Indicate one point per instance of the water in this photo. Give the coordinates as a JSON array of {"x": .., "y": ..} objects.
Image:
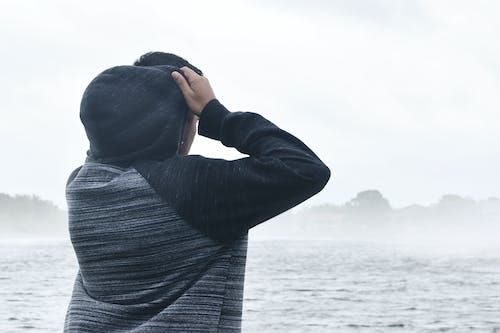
[{"x": 295, "y": 286}]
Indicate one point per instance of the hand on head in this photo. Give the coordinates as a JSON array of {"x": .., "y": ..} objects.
[{"x": 196, "y": 89}]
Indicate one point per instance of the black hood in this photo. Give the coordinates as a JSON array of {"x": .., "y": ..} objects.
[{"x": 133, "y": 112}]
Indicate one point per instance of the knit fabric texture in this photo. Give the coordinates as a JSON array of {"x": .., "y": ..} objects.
[
  {"x": 161, "y": 241},
  {"x": 133, "y": 112}
]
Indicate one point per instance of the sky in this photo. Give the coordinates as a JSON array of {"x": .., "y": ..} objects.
[{"x": 399, "y": 96}]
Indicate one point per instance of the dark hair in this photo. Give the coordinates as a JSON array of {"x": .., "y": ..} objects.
[{"x": 162, "y": 58}]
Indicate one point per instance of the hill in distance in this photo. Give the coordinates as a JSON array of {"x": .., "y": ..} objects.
[{"x": 368, "y": 216}]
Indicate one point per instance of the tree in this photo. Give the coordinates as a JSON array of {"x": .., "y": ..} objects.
[{"x": 369, "y": 202}]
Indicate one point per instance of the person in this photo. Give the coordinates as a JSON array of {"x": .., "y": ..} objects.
[{"x": 161, "y": 235}]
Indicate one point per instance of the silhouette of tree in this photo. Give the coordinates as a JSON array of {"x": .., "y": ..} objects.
[
  {"x": 30, "y": 214},
  {"x": 369, "y": 202}
]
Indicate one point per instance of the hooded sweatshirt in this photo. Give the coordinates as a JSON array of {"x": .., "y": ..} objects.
[{"x": 161, "y": 238}]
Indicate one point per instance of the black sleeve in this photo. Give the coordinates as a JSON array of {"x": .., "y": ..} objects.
[{"x": 225, "y": 198}]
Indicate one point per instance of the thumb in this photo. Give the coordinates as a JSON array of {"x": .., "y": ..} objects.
[{"x": 181, "y": 82}]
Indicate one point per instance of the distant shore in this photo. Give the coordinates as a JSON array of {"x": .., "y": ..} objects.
[{"x": 368, "y": 216}]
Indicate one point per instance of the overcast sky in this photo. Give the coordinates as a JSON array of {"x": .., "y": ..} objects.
[{"x": 399, "y": 96}]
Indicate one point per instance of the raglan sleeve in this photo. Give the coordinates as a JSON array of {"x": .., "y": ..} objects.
[{"x": 226, "y": 198}]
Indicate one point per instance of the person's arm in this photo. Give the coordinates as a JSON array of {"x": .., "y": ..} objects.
[{"x": 225, "y": 198}]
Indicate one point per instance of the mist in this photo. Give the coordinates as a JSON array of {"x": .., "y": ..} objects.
[
  {"x": 454, "y": 223},
  {"x": 400, "y": 99}
]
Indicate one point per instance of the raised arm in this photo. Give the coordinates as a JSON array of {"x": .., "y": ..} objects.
[{"x": 225, "y": 198}]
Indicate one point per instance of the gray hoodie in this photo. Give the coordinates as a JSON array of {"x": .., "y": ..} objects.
[{"x": 161, "y": 238}]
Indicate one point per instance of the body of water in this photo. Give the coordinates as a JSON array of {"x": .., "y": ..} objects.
[{"x": 294, "y": 286}]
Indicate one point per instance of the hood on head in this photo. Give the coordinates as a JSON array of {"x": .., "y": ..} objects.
[{"x": 133, "y": 112}]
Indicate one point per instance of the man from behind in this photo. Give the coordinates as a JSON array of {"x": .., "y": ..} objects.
[{"x": 161, "y": 236}]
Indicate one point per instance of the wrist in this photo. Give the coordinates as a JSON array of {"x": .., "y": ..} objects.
[{"x": 211, "y": 118}]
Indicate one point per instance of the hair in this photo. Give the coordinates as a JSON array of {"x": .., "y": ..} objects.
[{"x": 162, "y": 58}]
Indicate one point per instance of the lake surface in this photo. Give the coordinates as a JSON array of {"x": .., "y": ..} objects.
[{"x": 295, "y": 286}]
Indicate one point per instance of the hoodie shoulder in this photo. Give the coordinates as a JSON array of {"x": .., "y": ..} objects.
[
  {"x": 97, "y": 175},
  {"x": 73, "y": 174}
]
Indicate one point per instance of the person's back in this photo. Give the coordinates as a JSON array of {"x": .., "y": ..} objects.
[{"x": 161, "y": 236}]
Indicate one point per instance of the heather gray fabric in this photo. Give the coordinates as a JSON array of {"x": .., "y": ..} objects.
[{"x": 142, "y": 267}]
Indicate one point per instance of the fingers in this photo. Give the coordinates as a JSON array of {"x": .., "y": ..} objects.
[
  {"x": 181, "y": 82},
  {"x": 195, "y": 88},
  {"x": 190, "y": 74}
]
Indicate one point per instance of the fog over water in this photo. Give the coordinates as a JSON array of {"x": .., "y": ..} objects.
[
  {"x": 453, "y": 222},
  {"x": 362, "y": 266},
  {"x": 399, "y": 98}
]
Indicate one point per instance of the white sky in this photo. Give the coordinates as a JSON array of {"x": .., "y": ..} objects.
[{"x": 400, "y": 96}]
